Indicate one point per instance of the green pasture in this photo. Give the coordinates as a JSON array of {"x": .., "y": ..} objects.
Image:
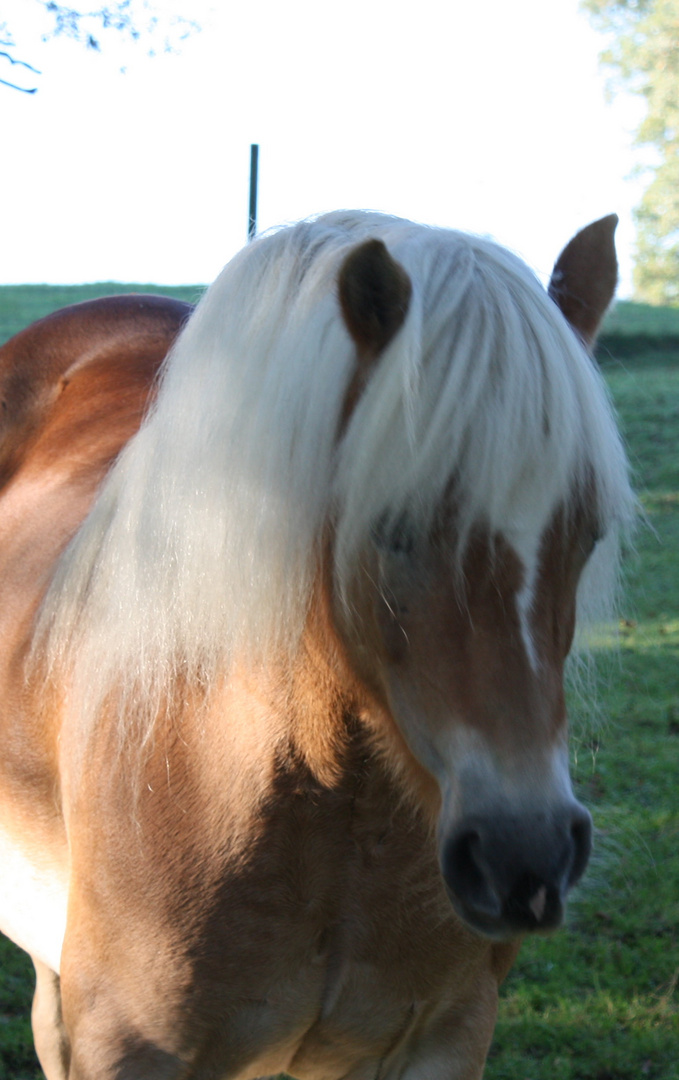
[
  {"x": 630, "y": 330},
  {"x": 21, "y": 305},
  {"x": 598, "y": 1000}
]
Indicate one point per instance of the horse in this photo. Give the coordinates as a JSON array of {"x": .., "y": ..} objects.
[{"x": 288, "y": 584}]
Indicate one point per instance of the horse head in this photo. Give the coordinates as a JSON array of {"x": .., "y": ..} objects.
[{"x": 459, "y": 611}]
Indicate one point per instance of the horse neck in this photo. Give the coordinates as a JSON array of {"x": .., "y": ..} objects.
[
  {"x": 336, "y": 716},
  {"x": 324, "y": 706}
]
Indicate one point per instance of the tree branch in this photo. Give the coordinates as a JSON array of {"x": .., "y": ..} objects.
[
  {"x": 21, "y": 89},
  {"x": 134, "y": 18},
  {"x": 20, "y": 63},
  {"x": 131, "y": 19}
]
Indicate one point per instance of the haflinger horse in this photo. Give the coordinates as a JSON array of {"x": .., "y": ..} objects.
[{"x": 287, "y": 588}]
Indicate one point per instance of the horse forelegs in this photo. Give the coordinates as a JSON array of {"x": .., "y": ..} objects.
[{"x": 49, "y": 1034}]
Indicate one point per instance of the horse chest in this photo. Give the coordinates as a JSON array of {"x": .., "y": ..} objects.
[
  {"x": 309, "y": 933},
  {"x": 356, "y": 950}
]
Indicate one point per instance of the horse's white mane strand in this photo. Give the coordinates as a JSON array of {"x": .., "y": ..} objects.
[{"x": 206, "y": 537}]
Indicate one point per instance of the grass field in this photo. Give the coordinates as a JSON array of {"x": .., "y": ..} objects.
[
  {"x": 630, "y": 330},
  {"x": 598, "y": 1000},
  {"x": 21, "y": 305}
]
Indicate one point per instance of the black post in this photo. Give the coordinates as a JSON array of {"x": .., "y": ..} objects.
[{"x": 252, "y": 217}]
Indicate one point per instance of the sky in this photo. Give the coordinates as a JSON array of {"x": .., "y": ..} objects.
[{"x": 490, "y": 117}]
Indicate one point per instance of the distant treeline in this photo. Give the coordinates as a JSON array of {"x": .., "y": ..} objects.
[
  {"x": 637, "y": 330},
  {"x": 630, "y": 331}
]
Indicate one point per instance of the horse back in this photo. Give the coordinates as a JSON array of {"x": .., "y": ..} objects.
[{"x": 82, "y": 377}]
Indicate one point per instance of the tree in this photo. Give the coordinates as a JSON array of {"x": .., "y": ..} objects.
[
  {"x": 5, "y": 44},
  {"x": 644, "y": 55},
  {"x": 135, "y": 20}
]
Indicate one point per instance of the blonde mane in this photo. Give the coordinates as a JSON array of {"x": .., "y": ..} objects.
[{"x": 205, "y": 538}]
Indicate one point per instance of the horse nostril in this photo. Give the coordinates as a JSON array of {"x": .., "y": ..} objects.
[
  {"x": 461, "y": 857},
  {"x": 466, "y": 874}
]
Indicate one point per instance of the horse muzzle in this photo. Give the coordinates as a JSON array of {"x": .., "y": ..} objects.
[{"x": 510, "y": 875}]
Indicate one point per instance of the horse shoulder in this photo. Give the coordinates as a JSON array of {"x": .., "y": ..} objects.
[{"x": 74, "y": 388}]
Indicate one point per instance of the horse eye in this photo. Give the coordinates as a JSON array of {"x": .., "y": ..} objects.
[
  {"x": 395, "y": 536},
  {"x": 589, "y": 541}
]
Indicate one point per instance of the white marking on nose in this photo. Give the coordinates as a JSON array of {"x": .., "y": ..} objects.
[
  {"x": 524, "y": 604},
  {"x": 525, "y": 596}
]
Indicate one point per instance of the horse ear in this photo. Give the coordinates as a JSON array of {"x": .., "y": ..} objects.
[
  {"x": 374, "y": 294},
  {"x": 585, "y": 275}
]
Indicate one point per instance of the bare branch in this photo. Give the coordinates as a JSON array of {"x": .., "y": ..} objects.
[
  {"x": 22, "y": 63},
  {"x": 9, "y": 44},
  {"x": 21, "y": 89},
  {"x": 134, "y": 20}
]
